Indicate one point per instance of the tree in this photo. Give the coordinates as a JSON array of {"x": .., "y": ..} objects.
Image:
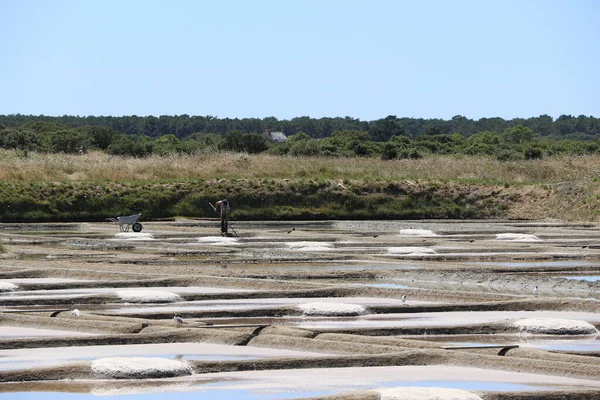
[
  {"x": 518, "y": 134},
  {"x": 68, "y": 141},
  {"x": 209, "y": 142},
  {"x": 165, "y": 145},
  {"x": 533, "y": 152},
  {"x": 101, "y": 136},
  {"x": 298, "y": 137},
  {"x": 389, "y": 151},
  {"x": 304, "y": 148},
  {"x": 482, "y": 143},
  {"x": 44, "y": 127},
  {"x": 541, "y": 125},
  {"x": 125, "y": 145},
  {"x": 383, "y": 129},
  {"x": 251, "y": 143},
  {"x": 19, "y": 139}
]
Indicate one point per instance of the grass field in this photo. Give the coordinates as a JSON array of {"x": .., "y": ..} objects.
[
  {"x": 97, "y": 167},
  {"x": 64, "y": 187}
]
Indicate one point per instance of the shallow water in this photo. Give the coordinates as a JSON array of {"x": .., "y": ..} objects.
[
  {"x": 557, "y": 345},
  {"x": 309, "y": 383},
  {"x": 349, "y": 267},
  {"x": 564, "y": 263},
  {"x": 242, "y": 304},
  {"x": 7, "y": 365},
  {"x": 471, "y": 385},
  {"x": 30, "y": 358},
  {"x": 103, "y": 290},
  {"x": 588, "y": 278},
  {"x": 44, "y": 280},
  {"x": 565, "y": 345},
  {"x": 560, "y": 343},
  {"x": 19, "y": 332},
  {"x": 214, "y": 394},
  {"x": 382, "y": 285},
  {"x": 449, "y": 318}
]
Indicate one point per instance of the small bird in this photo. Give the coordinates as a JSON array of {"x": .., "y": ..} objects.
[
  {"x": 403, "y": 298},
  {"x": 291, "y": 230},
  {"x": 178, "y": 319},
  {"x": 375, "y": 236},
  {"x": 76, "y": 313},
  {"x": 536, "y": 291}
]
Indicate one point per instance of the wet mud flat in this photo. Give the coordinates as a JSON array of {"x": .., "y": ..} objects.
[{"x": 330, "y": 309}]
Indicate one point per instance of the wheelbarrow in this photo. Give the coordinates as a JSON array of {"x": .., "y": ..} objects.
[{"x": 126, "y": 222}]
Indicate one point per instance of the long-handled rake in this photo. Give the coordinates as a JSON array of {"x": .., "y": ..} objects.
[{"x": 228, "y": 224}]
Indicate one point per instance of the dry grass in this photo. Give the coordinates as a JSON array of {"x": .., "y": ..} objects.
[{"x": 97, "y": 166}]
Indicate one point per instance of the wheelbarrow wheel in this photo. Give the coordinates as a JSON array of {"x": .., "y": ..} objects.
[{"x": 137, "y": 227}]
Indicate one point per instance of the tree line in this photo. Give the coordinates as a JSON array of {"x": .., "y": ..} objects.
[
  {"x": 382, "y": 129},
  {"x": 387, "y": 138}
]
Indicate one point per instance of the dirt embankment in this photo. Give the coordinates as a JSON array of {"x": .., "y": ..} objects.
[
  {"x": 568, "y": 201},
  {"x": 287, "y": 199}
]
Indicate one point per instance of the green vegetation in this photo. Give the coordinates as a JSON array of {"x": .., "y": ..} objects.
[
  {"x": 94, "y": 186},
  {"x": 280, "y": 199},
  {"x": 90, "y": 168},
  {"x": 388, "y": 138}
]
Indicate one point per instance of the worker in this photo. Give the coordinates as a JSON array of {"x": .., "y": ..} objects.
[{"x": 222, "y": 207}]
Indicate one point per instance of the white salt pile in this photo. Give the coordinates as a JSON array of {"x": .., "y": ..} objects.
[
  {"x": 148, "y": 296},
  {"x": 410, "y": 250},
  {"x": 8, "y": 287},
  {"x": 417, "y": 232},
  {"x": 517, "y": 237},
  {"x": 555, "y": 326},
  {"x": 425, "y": 393},
  {"x": 134, "y": 236},
  {"x": 218, "y": 240},
  {"x": 139, "y": 368},
  {"x": 331, "y": 309},
  {"x": 310, "y": 246}
]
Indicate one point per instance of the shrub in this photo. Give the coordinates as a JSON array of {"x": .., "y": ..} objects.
[
  {"x": 412, "y": 154},
  {"x": 251, "y": 143},
  {"x": 389, "y": 151},
  {"x": 533, "y": 153},
  {"x": 508, "y": 155}
]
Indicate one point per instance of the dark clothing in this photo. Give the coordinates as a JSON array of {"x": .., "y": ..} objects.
[{"x": 222, "y": 207}]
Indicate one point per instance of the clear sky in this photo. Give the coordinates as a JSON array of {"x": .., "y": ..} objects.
[{"x": 290, "y": 58}]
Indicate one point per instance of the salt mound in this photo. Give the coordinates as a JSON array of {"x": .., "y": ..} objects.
[
  {"x": 410, "y": 250},
  {"x": 139, "y": 368},
  {"x": 310, "y": 246},
  {"x": 134, "y": 236},
  {"x": 517, "y": 237},
  {"x": 426, "y": 393},
  {"x": 217, "y": 240},
  {"x": 7, "y": 287},
  {"x": 417, "y": 232},
  {"x": 554, "y": 326},
  {"x": 148, "y": 296},
  {"x": 331, "y": 309}
]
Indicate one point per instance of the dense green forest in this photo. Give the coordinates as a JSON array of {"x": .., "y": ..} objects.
[{"x": 386, "y": 138}]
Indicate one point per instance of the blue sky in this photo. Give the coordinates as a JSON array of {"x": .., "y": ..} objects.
[{"x": 291, "y": 58}]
